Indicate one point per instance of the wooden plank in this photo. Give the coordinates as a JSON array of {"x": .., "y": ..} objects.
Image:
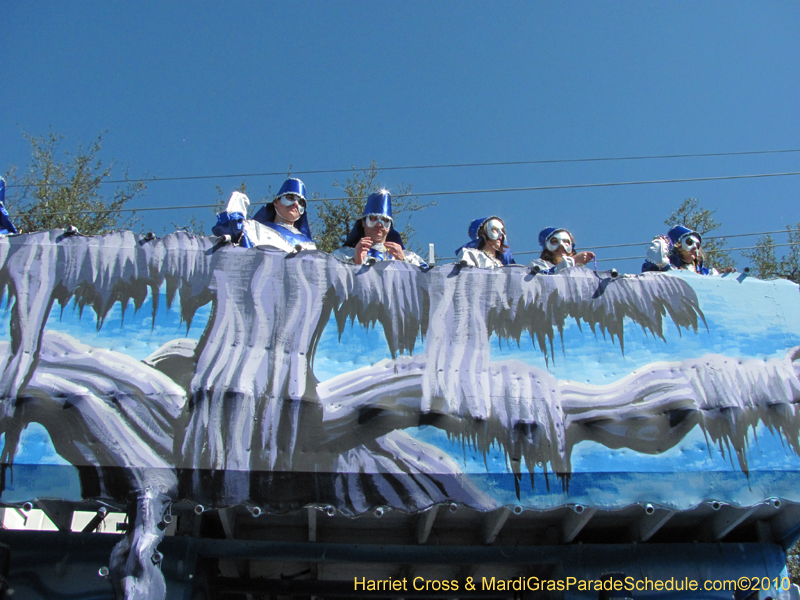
[
  {"x": 58, "y": 512},
  {"x": 729, "y": 518},
  {"x": 425, "y": 524},
  {"x": 493, "y": 523},
  {"x": 649, "y": 525},
  {"x": 574, "y": 522},
  {"x": 228, "y": 518},
  {"x": 312, "y": 524}
]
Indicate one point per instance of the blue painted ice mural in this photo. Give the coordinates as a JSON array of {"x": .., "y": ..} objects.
[{"x": 388, "y": 385}]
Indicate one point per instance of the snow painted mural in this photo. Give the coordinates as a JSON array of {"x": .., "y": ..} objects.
[{"x": 179, "y": 369}]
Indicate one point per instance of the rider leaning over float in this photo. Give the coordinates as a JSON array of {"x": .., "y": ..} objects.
[
  {"x": 679, "y": 249},
  {"x": 488, "y": 245},
  {"x": 558, "y": 252},
  {"x": 374, "y": 238},
  {"x": 281, "y": 224}
]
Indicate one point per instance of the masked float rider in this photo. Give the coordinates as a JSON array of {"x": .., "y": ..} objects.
[
  {"x": 558, "y": 252},
  {"x": 488, "y": 245},
  {"x": 374, "y": 238},
  {"x": 281, "y": 224},
  {"x": 679, "y": 249}
]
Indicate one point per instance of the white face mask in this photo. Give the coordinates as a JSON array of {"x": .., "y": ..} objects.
[
  {"x": 289, "y": 199},
  {"x": 495, "y": 229},
  {"x": 373, "y": 220},
  {"x": 690, "y": 242},
  {"x": 561, "y": 238}
]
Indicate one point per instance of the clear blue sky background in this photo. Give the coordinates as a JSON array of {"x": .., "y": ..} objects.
[{"x": 207, "y": 88}]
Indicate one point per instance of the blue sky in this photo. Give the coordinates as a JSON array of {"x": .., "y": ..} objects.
[{"x": 207, "y": 88}]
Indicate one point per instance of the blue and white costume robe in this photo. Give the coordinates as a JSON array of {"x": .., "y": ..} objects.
[
  {"x": 548, "y": 268},
  {"x": 347, "y": 254},
  {"x": 250, "y": 232},
  {"x": 288, "y": 239},
  {"x": 477, "y": 258}
]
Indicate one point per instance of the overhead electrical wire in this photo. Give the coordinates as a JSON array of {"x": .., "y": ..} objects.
[
  {"x": 421, "y": 167},
  {"x": 465, "y": 192},
  {"x": 642, "y": 244},
  {"x": 474, "y": 191},
  {"x": 713, "y": 237},
  {"x": 525, "y": 252},
  {"x": 707, "y": 252}
]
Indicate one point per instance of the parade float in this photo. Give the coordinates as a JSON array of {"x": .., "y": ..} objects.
[{"x": 287, "y": 425}]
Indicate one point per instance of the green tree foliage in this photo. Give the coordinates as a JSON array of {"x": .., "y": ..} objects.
[
  {"x": 694, "y": 216},
  {"x": 790, "y": 263},
  {"x": 55, "y": 193},
  {"x": 764, "y": 261},
  {"x": 196, "y": 226},
  {"x": 335, "y": 218},
  {"x": 764, "y": 264},
  {"x": 793, "y": 563}
]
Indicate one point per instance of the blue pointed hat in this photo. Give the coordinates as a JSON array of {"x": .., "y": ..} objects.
[
  {"x": 6, "y": 226},
  {"x": 292, "y": 186},
  {"x": 379, "y": 203},
  {"x": 677, "y": 233}
]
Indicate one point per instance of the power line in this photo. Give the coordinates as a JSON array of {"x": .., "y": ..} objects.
[
  {"x": 525, "y": 252},
  {"x": 710, "y": 252},
  {"x": 420, "y": 167},
  {"x": 591, "y": 185},
  {"x": 641, "y": 244},
  {"x": 715, "y": 237},
  {"x": 464, "y": 192},
  {"x": 117, "y": 210}
]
